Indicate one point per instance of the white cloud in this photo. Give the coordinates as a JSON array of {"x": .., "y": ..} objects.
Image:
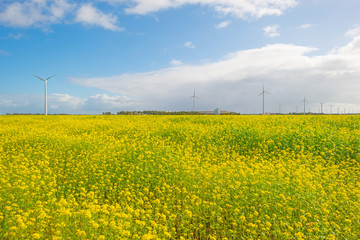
[
  {"x": 104, "y": 102},
  {"x": 59, "y": 8},
  {"x": 175, "y": 62},
  {"x": 355, "y": 31},
  {"x": 351, "y": 49},
  {"x": 271, "y": 31},
  {"x": 34, "y": 13},
  {"x": 306, "y": 26},
  {"x": 43, "y": 13},
  {"x": 8, "y": 103},
  {"x": 234, "y": 82},
  {"x": 114, "y": 2},
  {"x": 238, "y": 8},
  {"x": 89, "y": 15},
  {"x": 65, "y": 102},
  {"x": 223, "y": 24},
  {"x": 189, "y": 44}
]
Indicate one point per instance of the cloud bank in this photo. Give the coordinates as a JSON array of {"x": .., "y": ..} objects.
[
  {"x": 238, "y": 8},
  {"x": 34, "y": 12},
  {"x": 353, "y": 32},
  {"x": 234, "y": 82},
  {"x": 43, "y": 13}
]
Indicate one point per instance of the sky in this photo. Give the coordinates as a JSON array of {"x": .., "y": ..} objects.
[{"x": 136, "y": 55}]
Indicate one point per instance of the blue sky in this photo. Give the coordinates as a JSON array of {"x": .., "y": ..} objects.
[{"x": 113, "y": 55}]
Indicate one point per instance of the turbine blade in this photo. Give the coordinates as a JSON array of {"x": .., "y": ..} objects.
[
  {"x": 50, "y": 77},
  {"x": 38, "y": 77}
]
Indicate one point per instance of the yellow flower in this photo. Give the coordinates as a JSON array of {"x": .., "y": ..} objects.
[
  {"x": 148, "y": 236},
  {"x": 36, "y": 236}
]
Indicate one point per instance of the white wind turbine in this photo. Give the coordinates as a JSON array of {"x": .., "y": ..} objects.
[
  {"x": 321, "y": 108},
  {"x": 45, "y": 82},
  {"x": 304, "y": 101},
  {"x": 263, "y": 98},
  {"x": 194, "y": 97}
]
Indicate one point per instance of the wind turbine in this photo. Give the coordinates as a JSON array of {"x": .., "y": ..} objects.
[
  {"x": 321, "y": 111},
  {"x": 263, "y": 98},
  {"x": 194, "y": 97},
  {"x": 304, "y": 100},
  {"x": 45, "y": 81},
  {"x": 280, "y": 108}
]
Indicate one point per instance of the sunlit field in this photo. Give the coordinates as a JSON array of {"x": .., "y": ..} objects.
[{"x": 179, "y": 177}]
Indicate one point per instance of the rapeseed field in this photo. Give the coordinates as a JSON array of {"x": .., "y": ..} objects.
[{"x": 179, "y": 177}]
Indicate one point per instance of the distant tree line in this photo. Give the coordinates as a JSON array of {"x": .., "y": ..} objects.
[
  {"x": 141, "y": 113},
  {"x": 230, "y": 113},
  {"x": 157, "y": 113},
  {"x": 172, "y": 113}
]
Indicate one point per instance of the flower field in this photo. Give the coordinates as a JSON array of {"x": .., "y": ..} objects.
[{"x": 179, "y": 177}]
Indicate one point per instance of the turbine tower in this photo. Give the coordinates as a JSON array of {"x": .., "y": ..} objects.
[
  {"x": 194, "y": 97},
  {"x": 263, "y": 98},
  {"x": 304, "y": 100},
  {"x": 280, "y": 108},
  {"x": 321, "y": 109},
  {"x": 45, "y": 82}
]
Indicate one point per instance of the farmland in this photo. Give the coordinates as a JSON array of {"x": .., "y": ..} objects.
[{"x": 179, "y": 177}]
